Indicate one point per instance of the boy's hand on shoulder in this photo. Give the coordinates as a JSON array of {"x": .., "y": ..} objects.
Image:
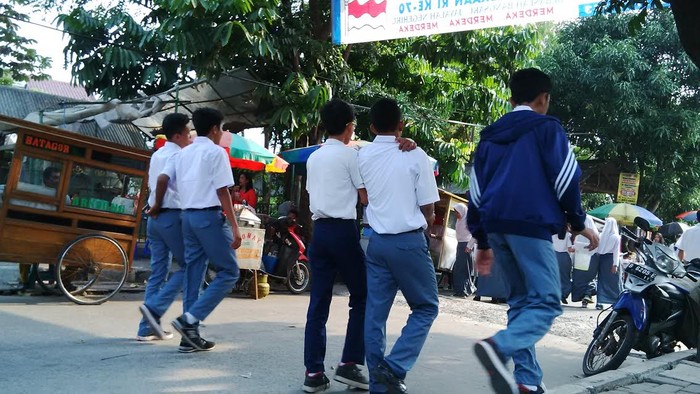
[
  {"x": 406, "y": 144},
  {"x": 236, "y": 238}
]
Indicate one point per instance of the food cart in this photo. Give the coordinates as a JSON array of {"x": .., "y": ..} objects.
[
  {"x": 69, "y": 203},
  {"x": 443, "y": 234}
]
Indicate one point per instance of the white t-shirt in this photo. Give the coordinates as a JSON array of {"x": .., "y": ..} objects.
[
  {"x": 561, "y": 245},
  {"x": 398, "y": 184},
  {"x": 332, "y": 180},
  {"x": 158, "y": 161},
  {"x": 198, "y": 170},
  {"x": 689, "y": 243}
]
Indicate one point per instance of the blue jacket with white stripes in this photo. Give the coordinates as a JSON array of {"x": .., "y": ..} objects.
[{"x": 524, "y": 180}]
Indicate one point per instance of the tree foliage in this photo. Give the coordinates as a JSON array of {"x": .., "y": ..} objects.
[
  {"x": 631, "y": 99},
  {"x": 685, "y": 12},
  {"x": 151, "y": 45},
  {"x": 18, "y": 62}
]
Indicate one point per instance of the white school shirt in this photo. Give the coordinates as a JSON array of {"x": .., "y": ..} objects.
[
  {"x": 561, "y": 245},
  {"x": 689, "y": 243},
  {"x": 198, "y": 170},
  {"x": 158, "y": 161},
  {"x": 332, "y": 180},
  {"x": 398, "y": 184}
]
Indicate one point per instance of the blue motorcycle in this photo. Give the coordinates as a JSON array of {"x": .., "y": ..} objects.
[{"x": 649, "y": 314}]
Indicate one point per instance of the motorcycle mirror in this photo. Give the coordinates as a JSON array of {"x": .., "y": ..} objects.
[{"x": 642, "y": 223}]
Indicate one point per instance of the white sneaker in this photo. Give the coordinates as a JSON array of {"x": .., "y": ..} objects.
[{"x": 147, "y": 338}]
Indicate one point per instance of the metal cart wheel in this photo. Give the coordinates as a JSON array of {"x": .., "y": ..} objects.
[
  {"x": 45, "y": 276},
  {"x": 91, "y": 269}
]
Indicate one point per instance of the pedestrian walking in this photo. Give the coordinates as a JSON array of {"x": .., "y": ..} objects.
[
  {"x": 586, "y": 268},
  {"x": 333, "y": 183},
  {"x": 402, "y": 191},
  {"x": 463, "y": 269},
  {"x": 202, "y": 175},
  {"x": 608, "y": 264},
  {"x": 164, "y": 233},
  {"x": 523, "y": 150},
  {"x": 563, "y": 249},
  {"x": 689, "y": 243}
]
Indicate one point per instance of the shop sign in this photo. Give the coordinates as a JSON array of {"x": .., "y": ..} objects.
[
  {"x": 52, "y": 146},
  {"x": 628, "y": 188}
]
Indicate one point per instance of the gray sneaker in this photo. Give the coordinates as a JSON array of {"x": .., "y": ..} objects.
[
  {"x": 351, "y": 375},
  {"x": 152, "y": 321}
]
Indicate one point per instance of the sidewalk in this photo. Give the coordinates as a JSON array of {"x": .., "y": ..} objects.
[{"x": 671, "y": 373}]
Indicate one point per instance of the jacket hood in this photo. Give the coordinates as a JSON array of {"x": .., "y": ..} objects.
[{"x": 513, "y": 125}]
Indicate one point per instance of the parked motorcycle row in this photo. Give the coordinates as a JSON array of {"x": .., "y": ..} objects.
[{"x": 658, "y": 310}]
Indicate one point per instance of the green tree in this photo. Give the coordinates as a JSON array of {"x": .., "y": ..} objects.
[
  {"x": 18, "y": 62},
  {"x": 633, "y": 100},
  {"x": 685, "y": 12},
  {"x": 459, "y": 77}
]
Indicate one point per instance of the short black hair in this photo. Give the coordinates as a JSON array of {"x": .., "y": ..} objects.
[
  {"x": 528, "y": 83},
  {"x": 174, "y": 124},
  {"x": 206, "y": 118},
  {"x": 335, "y": 116},
  {"x": 385, "y": 115},
  {"x": 294, "y": 211},
  {"x": 50, "y": 171}
]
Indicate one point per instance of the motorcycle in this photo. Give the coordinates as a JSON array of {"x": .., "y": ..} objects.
[
  {"x": 284, "y": 255},
  {"x": 649, "y": 314}
]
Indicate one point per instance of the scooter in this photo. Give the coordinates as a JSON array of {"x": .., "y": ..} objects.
[
  {"x": 649, "y": 314},
  {"x": 284, "y": 255}
]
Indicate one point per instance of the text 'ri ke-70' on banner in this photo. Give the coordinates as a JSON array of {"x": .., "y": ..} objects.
[{"x": 373, "y": 20}]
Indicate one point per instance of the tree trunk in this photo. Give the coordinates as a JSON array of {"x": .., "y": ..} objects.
[{"x": 687, "y": 14}]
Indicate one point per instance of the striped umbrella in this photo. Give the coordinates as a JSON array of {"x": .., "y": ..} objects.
[
  {"x": 249, "y": 155},
  {"x": 625, "y": 214},
  {"x": 689, "y": 216}
]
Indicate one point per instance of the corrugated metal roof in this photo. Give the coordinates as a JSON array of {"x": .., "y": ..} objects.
[
  {"x": 62, "y": 89},
  {"x": 18, "y": 103}
]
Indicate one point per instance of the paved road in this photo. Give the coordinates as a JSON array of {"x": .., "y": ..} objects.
[{"x": 48, "y": 344}]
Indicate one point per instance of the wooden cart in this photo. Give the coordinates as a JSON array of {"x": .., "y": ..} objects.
[{"x": 69, "y": 208}]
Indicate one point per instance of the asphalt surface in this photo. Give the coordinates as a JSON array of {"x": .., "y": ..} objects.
[{"x": 49, "y": 344}]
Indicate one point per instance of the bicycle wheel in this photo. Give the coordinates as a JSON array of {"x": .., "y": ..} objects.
[
  {"x": 91, "y": 269},
  {"x": 45, "y": 276}
]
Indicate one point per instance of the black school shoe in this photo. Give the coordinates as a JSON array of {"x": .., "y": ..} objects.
[
  {"x": 316, "y": 383},
  {"x": 495, "y": 364},
  {"x": 205, "y": 346},
  {"x": 351, "y": 375},
  {"x": 190, "y": 335},
  {"x": 383, "y": 374},
  {"x": 541, "y": 389}
]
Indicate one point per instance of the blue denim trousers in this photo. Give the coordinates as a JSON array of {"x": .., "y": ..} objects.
[
  {"x": 207, "y": 237},
  {"x": 532, "y": 274},
  {"x": 335, "y": 248},
  {"x": 398, "y": 262},
  {"x": 165, "y": 236}
]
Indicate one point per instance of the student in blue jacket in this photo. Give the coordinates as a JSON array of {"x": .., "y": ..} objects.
[{"x": 524, "y": 189}]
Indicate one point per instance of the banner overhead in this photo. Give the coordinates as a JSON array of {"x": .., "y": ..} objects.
[{"x": 373, "y": 20}]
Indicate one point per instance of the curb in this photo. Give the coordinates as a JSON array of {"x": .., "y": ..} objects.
[{"x": 625, "y": 376}]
